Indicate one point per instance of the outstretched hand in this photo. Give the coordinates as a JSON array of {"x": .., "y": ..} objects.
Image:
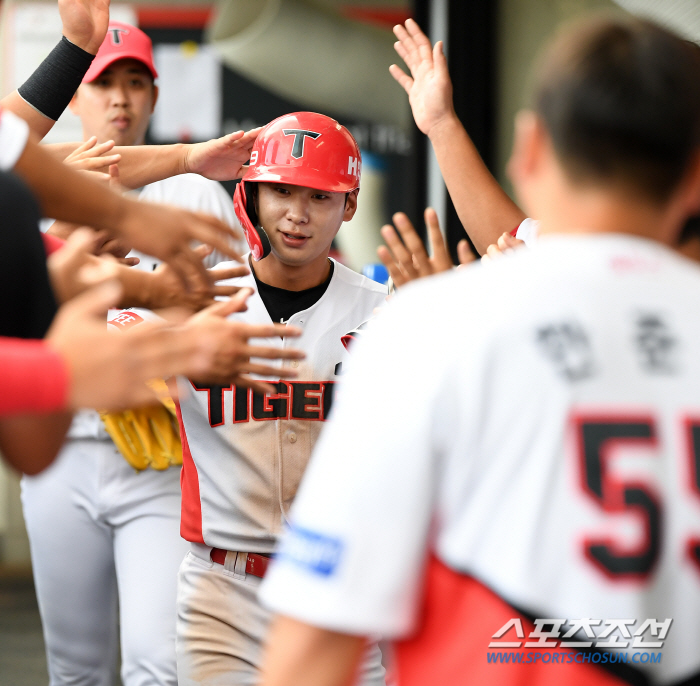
[
  {"x": 165, "y": 289},
  {"x": 230, "y": 350},
  {"x": 169, "y": 235},
  {"x": 93, "y": 159},
  {"x": 85, "y": 22},
  {"x": 408, "y": 260},
  {"x": 429, "y": 87},
  {"x": 221, "y": 159}
]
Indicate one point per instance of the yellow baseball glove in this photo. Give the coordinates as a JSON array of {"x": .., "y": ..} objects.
[{"x": 147, "y": 436}]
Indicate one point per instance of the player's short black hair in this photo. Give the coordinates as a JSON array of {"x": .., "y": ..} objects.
[{"x": 620, "y": 99}]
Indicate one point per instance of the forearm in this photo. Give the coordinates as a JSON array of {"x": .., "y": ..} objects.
[
  {"x": 65, "y": 194},
  {"x": 144, "y": 164},
  {"x": 39, "y": 123},
  {"x": 302, "y": 655},
  {"x": 30, "y": 443},
  {"x": 483, "y": 207},
  {"x": 140, "y": 164}
]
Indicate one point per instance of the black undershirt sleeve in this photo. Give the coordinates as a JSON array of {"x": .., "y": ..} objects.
[{"x": 27, "y": 303}]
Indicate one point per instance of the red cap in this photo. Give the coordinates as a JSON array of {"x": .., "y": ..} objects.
[{"x": 122, "y": 41}]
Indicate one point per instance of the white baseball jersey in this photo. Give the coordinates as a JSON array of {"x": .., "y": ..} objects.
[
  {"x": 532, "y": 427},
  {"x": 14, "y": 133},
  {"x": 244, "y": 453}
]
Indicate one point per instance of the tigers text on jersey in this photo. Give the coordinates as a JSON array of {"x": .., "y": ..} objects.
[
  {"x": 533, "y": 426},
  {"x": 244, "y": 453}
]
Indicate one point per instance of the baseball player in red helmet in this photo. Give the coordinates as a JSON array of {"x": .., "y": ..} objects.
[
  {"x": 523, "y": 470},
  {"x": 244, "y": 452}
]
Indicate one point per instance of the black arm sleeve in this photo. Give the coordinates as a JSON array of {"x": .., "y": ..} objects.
[
  {"x": 27, "y": 303},
  {"x": 50, "y": 88}
]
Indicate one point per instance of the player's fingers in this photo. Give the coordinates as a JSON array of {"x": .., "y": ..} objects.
[
  {"x": 96, "y": 150},
  {"x": 248, "y": 138},
  {"x": 237, "y": 303},
  {"x": 191, "y": 271},
  {"x": 87, "y": 145},
  {"x": 269, "y": 371},
  {"x": 221, "y": 274},
  {"x": 507, "y": 241},
  {"x": 402, "y": 51},
  {"x": 203, "y": 251},
  {"x": 255, "y": 384},
  {"x": 441, "y": 256},
  {"x": 215, "y": 233},
  {"x": 413, "y": 243},
  {"x": 439, "y": 59},
  {"x": 401, "y": 254},
  {"x": 387, "y": 259},
  {"x": 425, "y": 49},
  {"x": 114, "y": 182},
  {"x": 226, "y": 291},
  {"x": 95, "y": 163},
  {"x": 407, "y": 48},
  {"x": 272, "y": 353},
  {"x": 128, "y": 261},
  {"x": 464, "y": 253},
  {"x": 270, "y": 331},
  {"x": 493, "y": 252},
  {"x": 405, "y": 81},
  {"x": 231, "y": 138}
]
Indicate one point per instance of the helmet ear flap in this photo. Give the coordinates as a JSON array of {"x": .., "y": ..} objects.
[{"x": 244, "y": 206}]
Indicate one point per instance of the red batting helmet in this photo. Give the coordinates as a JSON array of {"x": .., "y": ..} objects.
[{"x": 301, "y": 149}]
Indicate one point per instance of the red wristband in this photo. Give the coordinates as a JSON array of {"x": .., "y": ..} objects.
[{"x": 33, "y": 377}]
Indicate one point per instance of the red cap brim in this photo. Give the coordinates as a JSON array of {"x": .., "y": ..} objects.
[{"x": 101, "y": 62}]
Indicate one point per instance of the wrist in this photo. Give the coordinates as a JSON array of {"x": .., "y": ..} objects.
[
  {"x": 52, "y": 85},
  {"x": 88, "y": 47},
  {"x": 445, "y": 126},
  {"x": 185, "y": 158}
]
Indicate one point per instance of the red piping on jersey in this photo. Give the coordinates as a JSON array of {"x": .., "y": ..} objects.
[
  {"x": 191, "y": 517},
  {"x": 458, "y": 619},
  {"x": 514, "y": 232}
]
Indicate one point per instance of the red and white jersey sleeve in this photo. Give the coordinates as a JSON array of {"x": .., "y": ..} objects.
[
  {"x": 14, "y": 132},
  {"x": 533, "y": 424},
  {"x": 244, "y": 453}
]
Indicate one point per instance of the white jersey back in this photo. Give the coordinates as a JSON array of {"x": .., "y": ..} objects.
[
  {"x": 244, "y": 453},
  {"x": 535, "y": 424}
]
